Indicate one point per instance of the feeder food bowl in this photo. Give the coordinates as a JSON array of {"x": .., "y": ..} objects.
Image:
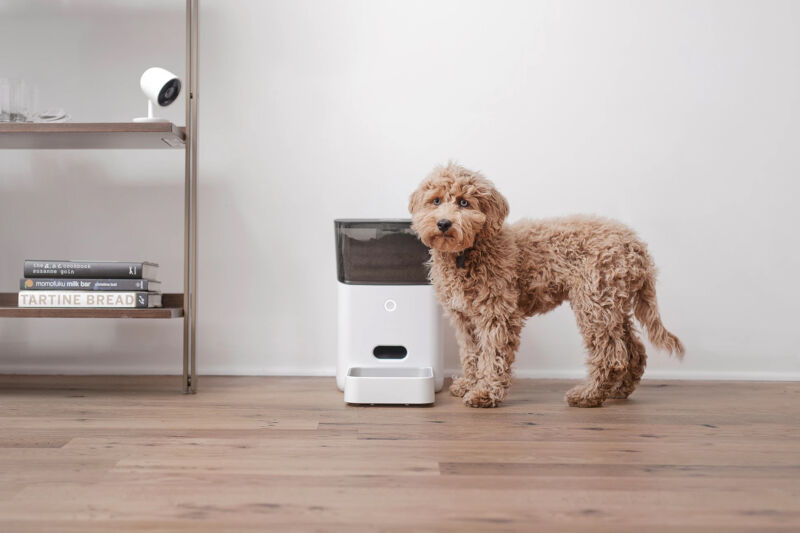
[{"x": 389, "y": 385}]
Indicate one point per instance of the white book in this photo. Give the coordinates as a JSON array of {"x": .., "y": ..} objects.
[{"x": 91, "y": 299}]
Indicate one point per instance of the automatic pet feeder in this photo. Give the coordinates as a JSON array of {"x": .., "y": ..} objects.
[{"x": 389, "y": 322}]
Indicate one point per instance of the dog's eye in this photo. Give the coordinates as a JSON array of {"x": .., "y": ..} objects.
[
  {"x": 463, "y": 203},
  {"x": 436, "y": 201}
]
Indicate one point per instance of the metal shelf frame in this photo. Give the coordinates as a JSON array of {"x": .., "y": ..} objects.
[{"x": 189, "y": 379}]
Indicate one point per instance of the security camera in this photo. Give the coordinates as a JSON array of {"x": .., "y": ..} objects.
[{"x": 161, "y": 87}]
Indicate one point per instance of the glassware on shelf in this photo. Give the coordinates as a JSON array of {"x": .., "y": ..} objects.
[
  {"x": 5, "y": 100},
  {"x": 19, "y": 101},
  {"x": 22, "y": 97}
]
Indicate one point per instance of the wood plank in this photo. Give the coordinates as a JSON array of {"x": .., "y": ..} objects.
[
  {"x": 172, "y": 307},
  {"x": 98, "y": 453},
  {"x": 91, "y": 135}
]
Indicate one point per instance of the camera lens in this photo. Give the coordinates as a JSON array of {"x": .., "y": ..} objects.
[{"x": 169, "y": 92}]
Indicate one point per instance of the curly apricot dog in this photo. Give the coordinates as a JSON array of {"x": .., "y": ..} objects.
[{"x": 490, "y": 276}]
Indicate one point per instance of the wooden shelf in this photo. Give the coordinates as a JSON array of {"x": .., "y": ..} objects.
[
  {"x": 90, "y": 135},
  {"x": 172, "y": 308}
]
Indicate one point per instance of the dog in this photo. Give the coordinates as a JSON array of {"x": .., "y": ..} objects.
[{"x": 490, "y": 276}]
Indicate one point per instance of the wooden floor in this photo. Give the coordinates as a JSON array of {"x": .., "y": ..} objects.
[{"x": 285, "y": 454}]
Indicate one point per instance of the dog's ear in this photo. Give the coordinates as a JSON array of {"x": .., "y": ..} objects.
[
  {"x": 495, "y": 206},
  {"x": 416, "y": 198}
]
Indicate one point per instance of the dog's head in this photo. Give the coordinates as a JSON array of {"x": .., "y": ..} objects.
[{"x": 454, "y": 206}]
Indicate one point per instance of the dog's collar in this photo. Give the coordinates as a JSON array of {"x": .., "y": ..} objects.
[{"x": 461, "y": 258}]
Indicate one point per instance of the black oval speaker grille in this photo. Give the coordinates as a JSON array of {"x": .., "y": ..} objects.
[{"x": 390, "y": 352}]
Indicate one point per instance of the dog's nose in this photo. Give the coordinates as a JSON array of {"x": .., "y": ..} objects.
[{"x": 444, "y": 225}]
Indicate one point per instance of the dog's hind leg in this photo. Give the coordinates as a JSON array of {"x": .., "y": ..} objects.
[
  {"x": 468, "y": 353},
  {"x": 603, "y": 332},
  {"x": 637, "y": 360},
  {"x": 498, "y": 340}
]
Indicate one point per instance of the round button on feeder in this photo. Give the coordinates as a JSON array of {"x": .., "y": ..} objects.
[{"x": 390, "y": 305}]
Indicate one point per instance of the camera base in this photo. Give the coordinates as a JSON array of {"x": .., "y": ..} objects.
[{"x": 150, "y": 117}]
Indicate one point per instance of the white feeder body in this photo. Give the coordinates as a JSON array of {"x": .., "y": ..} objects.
[{"x": 390, "y": 342}]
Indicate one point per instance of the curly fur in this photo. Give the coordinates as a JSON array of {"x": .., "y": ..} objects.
[{"x": 489, "y": 276}]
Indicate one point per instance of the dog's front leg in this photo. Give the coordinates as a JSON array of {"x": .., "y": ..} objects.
[
  {"x": 498, "y": 340},
  {"x": 468, "y": 353}
]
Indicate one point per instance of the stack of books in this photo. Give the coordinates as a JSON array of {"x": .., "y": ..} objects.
[{"x": 104, "y": 284}]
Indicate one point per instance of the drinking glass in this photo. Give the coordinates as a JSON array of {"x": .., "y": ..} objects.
[
  {"x": 22, "y": 97},
  {"x": 5, "y": 100}
]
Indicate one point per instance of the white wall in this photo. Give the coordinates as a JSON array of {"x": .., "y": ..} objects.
[{"x": 679, "y": 118}]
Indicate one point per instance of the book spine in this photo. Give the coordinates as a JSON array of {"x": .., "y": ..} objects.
[
  {"x": 82, "y": 299},
  {"x": 67, "y": 284},
  {"x": 82, "y": 269}
]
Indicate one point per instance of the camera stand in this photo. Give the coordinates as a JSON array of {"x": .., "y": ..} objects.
[{"x": 150, "y": 117}]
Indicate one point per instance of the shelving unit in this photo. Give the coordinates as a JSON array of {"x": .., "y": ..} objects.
[{"x": 131, "y": 135}]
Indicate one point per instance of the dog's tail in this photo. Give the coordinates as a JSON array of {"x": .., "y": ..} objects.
[{"x": 646, "y": 311}]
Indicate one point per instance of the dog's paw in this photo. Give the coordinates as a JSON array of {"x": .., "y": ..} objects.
[
  {"x": 619, "y": 394},
  {"x": 482, "y": 394},
  {"x": 460, "y": 386},
  {"x": 583, "y": 396}
]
